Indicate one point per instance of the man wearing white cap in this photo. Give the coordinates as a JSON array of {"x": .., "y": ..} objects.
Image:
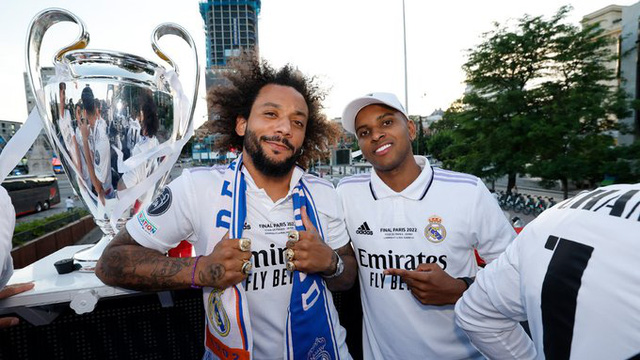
[{"x": 414, "y": 229}]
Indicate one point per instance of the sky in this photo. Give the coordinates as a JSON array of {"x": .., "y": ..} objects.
[{"x": 353, "y": 46}]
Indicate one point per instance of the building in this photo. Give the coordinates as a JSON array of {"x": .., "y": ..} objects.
[
  {"x": 428, "y": 121},
  {"x": 40, "y": 155},
  {"x": 621, "y": 23},
  {"x": 231, "y": 26},
  {"x": 7, "y": 130},
  {"x": 47, "y": 73}
]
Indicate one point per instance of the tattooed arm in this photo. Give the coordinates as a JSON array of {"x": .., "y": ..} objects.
[{"x": 127, "y": 264}]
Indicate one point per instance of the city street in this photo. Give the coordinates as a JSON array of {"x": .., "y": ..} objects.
[{"x": 65, "y": 191}]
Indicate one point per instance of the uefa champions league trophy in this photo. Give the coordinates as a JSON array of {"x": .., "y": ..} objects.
[{"x": 117, "y": 121}]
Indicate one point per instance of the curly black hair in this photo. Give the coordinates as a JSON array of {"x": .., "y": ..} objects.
[
  {"x": 238, "y": 91},
  {"x": 148, "y": 108}
]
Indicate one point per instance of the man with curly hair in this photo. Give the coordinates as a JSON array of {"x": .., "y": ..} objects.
[{"x": 269, "y": 237}]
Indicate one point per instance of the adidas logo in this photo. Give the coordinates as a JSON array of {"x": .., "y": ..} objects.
[{"x": 364, "y": 229}]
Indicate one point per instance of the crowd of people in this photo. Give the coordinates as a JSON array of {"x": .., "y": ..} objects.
[
  {"x": 272, "y": 242},
  {"x": 96, "y": 134}
]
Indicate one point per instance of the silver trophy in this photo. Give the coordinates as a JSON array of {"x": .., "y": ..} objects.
[{"x": 117, "y": 121}]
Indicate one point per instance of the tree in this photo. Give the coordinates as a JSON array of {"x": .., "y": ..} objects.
[
  {"x": 497, "y": 114},
  {"x": 419, "y": 143},
  {"x": 579, "y": 109},
  {"x": 538, "y": 103}
]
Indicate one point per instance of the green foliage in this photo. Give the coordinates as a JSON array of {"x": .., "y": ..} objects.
[
  {"x": 419, "y": 144},
  {"x": 542, "y": 101},
  {"x": 26, "y": 231}
]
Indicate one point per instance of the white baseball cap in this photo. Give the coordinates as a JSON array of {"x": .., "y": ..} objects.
[{"x": 353, "y": 108}]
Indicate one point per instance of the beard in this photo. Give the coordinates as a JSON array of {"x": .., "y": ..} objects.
[{"x": 262, "y": 162}]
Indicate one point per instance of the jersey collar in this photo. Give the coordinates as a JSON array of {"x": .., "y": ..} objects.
[
  {"x": 298, "y": 172},
  {"x": 415, "y": 191}
]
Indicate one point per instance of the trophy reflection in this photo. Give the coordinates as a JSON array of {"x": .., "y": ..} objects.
[{"x": 117, "y": 120}]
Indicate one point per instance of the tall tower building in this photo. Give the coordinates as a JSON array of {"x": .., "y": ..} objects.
[{"x": 230, "y": 25}]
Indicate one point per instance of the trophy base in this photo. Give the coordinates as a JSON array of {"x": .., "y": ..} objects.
[{"x": 88, "y": 258}]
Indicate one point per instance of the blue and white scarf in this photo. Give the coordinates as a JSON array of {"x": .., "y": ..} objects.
[{"x": 309, "y": 329}]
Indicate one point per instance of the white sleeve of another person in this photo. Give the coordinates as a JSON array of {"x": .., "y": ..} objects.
[
  {"x": 490, "y": 310},
  {"x": 336, "y": 235},
  {"x": 492, "y": 229},
  {"x": 7, "y": 224}
]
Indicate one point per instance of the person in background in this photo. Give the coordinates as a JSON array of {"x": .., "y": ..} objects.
[
  {"x": 69, "y": 203},
  {"x": 147, "y": 141}
]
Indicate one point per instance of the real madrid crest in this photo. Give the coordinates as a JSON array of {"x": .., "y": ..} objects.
[
  {"x": 435, "y": 231},
  {"x": 217, "y": 315}
]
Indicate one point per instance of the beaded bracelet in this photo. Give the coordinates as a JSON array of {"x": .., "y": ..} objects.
[{"x": 193, "y": 274}]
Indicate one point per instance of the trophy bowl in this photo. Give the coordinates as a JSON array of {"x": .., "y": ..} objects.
[{"x": 118, "y": 121}]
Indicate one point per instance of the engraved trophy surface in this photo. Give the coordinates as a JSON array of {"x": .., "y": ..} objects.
[{"x": 117, "y": 121}]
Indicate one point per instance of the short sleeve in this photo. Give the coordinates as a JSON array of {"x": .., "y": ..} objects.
[
  {"x": 136, "y": 175},
  {"x": 491, "y": 227},
  {"x": 168, "y": 219},
  {"x": 329, "y": 205}
]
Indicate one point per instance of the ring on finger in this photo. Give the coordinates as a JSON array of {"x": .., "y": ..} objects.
[
  {"x": 245, "y": 244},
  {"x": 246, "y": 267},
  {"x": 293, "y": 235},
  {"x": 291, "y": 266},
  {"x": 289, "y": 254}
]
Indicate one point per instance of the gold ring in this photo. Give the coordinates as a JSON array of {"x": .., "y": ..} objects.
[
  {"x": 246, "y": 267},
  {"x": 293, "y": 235},
  {"x": 291, "y": 266},
  {"x": 289, "y": 254},
  {"x": 245, "y": 244}
]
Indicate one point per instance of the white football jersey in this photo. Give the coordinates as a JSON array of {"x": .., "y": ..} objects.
[
  {"x": 142, "y": 171},
  {"x": 83, "y": 160},
  {"x": 570, "y": 273},
  {"x": 133, "y": 131},
  {"x": 100, "y": 146},
  {"x": 68, "y": 135},
  {"x": 440, "y": 218},
  {"x": 187, "y": 209}
]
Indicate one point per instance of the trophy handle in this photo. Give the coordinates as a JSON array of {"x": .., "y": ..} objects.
[
  {"x": 175, "y": 29},
  {"x": 39, "y": 25}
]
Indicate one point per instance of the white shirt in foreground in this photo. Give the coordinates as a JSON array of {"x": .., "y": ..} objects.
[
  {"x": 440, "y": 218},
  {"x": 7, "y": 224},
  {"x": 188, "y": 211},
  {"x": 572, "y": 273}
]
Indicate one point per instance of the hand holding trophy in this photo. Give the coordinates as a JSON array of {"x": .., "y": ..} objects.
[{"x": 117, "y": 121}]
